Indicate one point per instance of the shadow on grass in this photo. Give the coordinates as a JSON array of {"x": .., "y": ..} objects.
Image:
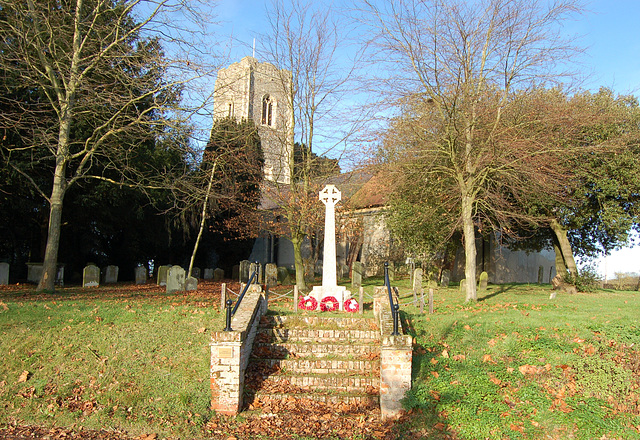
[{"x": 502, "y": 288}]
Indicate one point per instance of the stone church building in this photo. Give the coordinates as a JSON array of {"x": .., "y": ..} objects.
[{"x": 261, "y": 92}]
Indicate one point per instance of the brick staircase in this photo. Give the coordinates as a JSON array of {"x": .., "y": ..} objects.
[{"x": 314, "y": 361}]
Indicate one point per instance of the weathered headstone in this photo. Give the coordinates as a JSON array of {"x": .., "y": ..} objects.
[
  {"x": 445, "y": 279},
  {"x": 411, "y": 266},
  {"x": 208, "y": 274},
  {"x": 195, "y": 272},
  {"x": 283, "y": 276},
  {"x": 111, "y": 274},
  {"x": 91, "y": 276},
  {"x": 175, "y": 279},
  {"x": 235, "y": 272},
  {"x": 34, "y": 272},
  {"x": 463, "y": 286},
  {"x": 540, "y": 274},
  {"x": 218, "y": 274},
  {"x": 271, "y": 275},
  {"x": 417, "y": 280},
  {"x": 558, "y": 283},
  {"x": 357, "y": 269},
  {"x": 257, "y": 268},
  {"x": 163, "y": 272},
  {"x": 140, "y": 274},
  {"x": 191, "y": 284},
  {"x": 483, "y": 282},
  {"x": 245, "y": 273},
  {"x": 4, "y": 274}
]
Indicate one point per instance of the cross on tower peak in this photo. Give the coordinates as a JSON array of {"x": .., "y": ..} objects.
[{"x": 330, "y": 195}]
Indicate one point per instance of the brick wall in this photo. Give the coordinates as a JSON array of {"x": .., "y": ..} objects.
[{"x": 230, "y": 353}]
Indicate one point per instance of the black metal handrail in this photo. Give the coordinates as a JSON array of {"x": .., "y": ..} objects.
[
  {"x": 230, "y": 311},
  {"x": 395, "y": 308}
]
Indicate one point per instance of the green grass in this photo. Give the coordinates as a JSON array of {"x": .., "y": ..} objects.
[
  {"x": 519, "y": 365},
  {"x": 133, "y": 362},
  {"x": 514, "y": 365}
]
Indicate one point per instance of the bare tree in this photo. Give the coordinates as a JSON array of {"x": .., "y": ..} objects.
[
  {"x": 100, "y": 84},
  {"x": 305, "y": 40},
  {"x": 464, "y": 64}
]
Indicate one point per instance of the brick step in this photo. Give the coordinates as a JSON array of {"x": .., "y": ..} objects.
[
  {"x": 317, "y": 322},
  {"x": 311, "y": 383},
  {"x": 316, "y": 335},
  {"x": 311, "y": 349},
  {"x": 322, "y": 366},
  {"x": 262, "y": 399}
]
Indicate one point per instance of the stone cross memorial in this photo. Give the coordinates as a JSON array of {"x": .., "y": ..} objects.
[{"x": 330, "y": 196}]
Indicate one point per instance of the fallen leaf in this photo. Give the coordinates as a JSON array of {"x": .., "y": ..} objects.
[
  {"x": 434, "y": 361},
  {"x": 467, "y": 327},
  {"x": 445, "y": 354},
  {"x": 201, "y": 330},
  {"x": 23, "y": 376},
  {"x": 435, "y": 374}
]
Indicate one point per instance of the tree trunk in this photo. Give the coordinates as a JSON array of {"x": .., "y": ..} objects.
[
  {"x": 469, "y": 247},
  {"x": 299, "y": 263},
  {"x": 203, "y": 220},
  {"x": 560, "y": 233},
  {"x": 50, "y": 263},
  {"x": 561, "y": 268}
]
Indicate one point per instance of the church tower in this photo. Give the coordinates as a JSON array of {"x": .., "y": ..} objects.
[{"x": 261, "y": 92}]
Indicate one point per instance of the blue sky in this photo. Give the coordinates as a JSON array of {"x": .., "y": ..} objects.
[{"x": 610, "y": 34}]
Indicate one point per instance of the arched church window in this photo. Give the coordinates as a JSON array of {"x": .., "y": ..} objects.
[{"x": 267, "y": 111}]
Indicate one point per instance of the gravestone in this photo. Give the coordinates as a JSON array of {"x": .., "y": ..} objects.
[
  {"x": 257, "y": 268},
  {"x": 235, "y": 272},
  {"x": 540, "y": 274},
  {"x": 111, "y": 274},
  {"x": 271, "y": 275},
  {"x": 4, "y": 274},
  {"x": 445, "y": 279},
  {"x": 175, "y": 279},
  {"x": 140, "y": 274},
  {"x": 91, "y": 276},
  {"x": 245, "y": 271},
  {"x": 208, "y": 274},
  {"x": 191, "y": 284},
  {"x": 344, "y": 270},
  {"x": 411, "y": 266},
  {"x": 218, "y": 274},
  {"x": 195, "y": 272},
  {"x": 163, "y": 272},
  {"x": 484, "y": 281},
  {"x": 357, "y": 269},
  {"x": 417, "y": 280},
  {"x": 283, "y": 276},
  {"x": 463, "y": 286}
]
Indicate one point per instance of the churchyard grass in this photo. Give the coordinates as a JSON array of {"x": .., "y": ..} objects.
[
  {"x": 518, "y": 365},
  {"x": 131, "y": 361}
]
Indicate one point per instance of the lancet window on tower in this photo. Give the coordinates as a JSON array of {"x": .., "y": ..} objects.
[{"x": 267, "y": 111}]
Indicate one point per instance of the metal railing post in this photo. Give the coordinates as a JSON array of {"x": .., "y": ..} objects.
[
  {"x": 228, "y": 327},
  {"x": 394, "y": 307}
]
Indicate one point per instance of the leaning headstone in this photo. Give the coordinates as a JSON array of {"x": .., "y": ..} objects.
[
  {"x": 445, "y": 279},
  {"x": 283, "y": 276},
  {"x": 271, "y": 275},
  {"x": 208, "y": 274},
  {"x": 191, "y": 284},
  {"x": 245, "y": 271},
  {"x": 195, "y": 272},
  {"x": 463, "y": 286},
  {"x": 163, "y": 271},
  {"x": 484, "y": 281},
  {"x": 140, "y": 274},
  {"x": 110, "y": 274},
  {"x": 91, "y": 276},
  {"x": 175, "y": 279},
  {"x": 357, "y": 270},
  {"x": 218, "y": 274},
  {"x": 540, "y": 274},
  {"x": 4, "y": 274}
]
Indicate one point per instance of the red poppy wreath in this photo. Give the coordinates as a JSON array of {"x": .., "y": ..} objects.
[{"x": 329, "y": 304}]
